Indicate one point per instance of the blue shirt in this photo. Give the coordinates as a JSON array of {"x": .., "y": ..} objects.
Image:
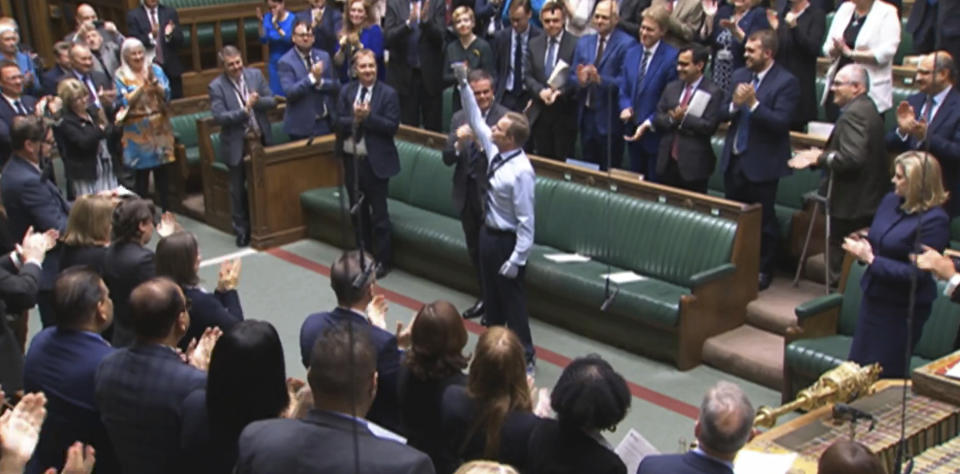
[{"x": 511, "y": 193}]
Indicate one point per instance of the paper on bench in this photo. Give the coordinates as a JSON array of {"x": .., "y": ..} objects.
[
  {"x": 750, "y": 462},
  {"x": 633, "y": 448},
  {"x": 623, "y": 277},
  {"x": 567, "y": 257}
]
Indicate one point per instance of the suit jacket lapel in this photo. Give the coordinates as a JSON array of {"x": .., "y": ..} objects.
[{"x": 948, "y": 106}]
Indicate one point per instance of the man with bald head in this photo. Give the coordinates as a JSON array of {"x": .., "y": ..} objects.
[
  {"x": 87, "y": 15},
  {"x": 856, "y": 158},
  {"x": 140, "y": 389},
  {"x": 101, "y": 90},
  {"x": 724, "y": 426},
  {"x": 931, "y": 119}
]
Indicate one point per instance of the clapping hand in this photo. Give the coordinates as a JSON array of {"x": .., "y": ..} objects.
[
  {"x": 805, "y": 159},
  {"x": 940, "y": 265},
  {"x": 229, "y": 275},
  {"x": 198, "y": 353},
  {"x": 642, "y": 129},
  {"x": 709, "y": 7},
  {"x": 259, "y": 14},
  {"x": 35, "y": 245},
  {"x": 626, "y": 114},
  {"x": 168, "y": 30},
  {"x": 168, "y": 224},
  {"x": 377, "y": 311},
  {"x": 361, "y": 112},
  {"x": 858, "y": 247},
  {"x": 773, "y": 19},
  {"x": 583, "y": 74},
  {"x": 317, "y": 70},
  {"x": 403, "y": 333},
  {"x": 20, "y": 430},
  {"x": 80, "y": 460},
  {"x": 678, "y": 112}
]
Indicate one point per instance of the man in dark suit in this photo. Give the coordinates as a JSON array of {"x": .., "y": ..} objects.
[
  {"x": 306, "y": 75},
  {"x": 800, "y": 28},
  {"x": 19, "y": 286},
  {"x": 553, "y": 111},
  {"x": 931, "y": 119},
  {"x": 62, "y": 362},
  {"x": 368, "y": 113},
  {"x": 647, "y": 68},
  {"x": 509, "y": 47},
  {"x": 686, "y": 159},
  {"x": 87, "y": 15},
  {"x": 51, "y": 77},
  {"x": 15, "y": 103},
  {"x": 102, "y": 91},
  {"x": 724, "y": 426},
  {"x": 334, "y": 437},
  {"x": 856, "y": 160},
  {"x": 324, "y": 22},
  {"x": 128, "y": 262},
  {"x": 140, "y": 389},
  {"x": 158, "y": 28},
  {"x": 471, "y": 166},
  {"x": 353, "y": 284},
  {"x": 32, "y": 200},
  {"x": 240, "y": 99},
  {"x": 596, "y": 66},
  {"x": 414, "y": 32},
  {"x": 757, "y": 145}
]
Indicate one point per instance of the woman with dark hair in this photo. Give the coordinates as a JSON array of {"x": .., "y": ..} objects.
[
  {"x": 88, "y": 233},
  {"x": 179, "y": 259},
  {"x": 433, "y": 362},
  {"x": 589, "y": 397},
  {"x": 492, "y": 417},
  {"x": 246, "y": 382}
]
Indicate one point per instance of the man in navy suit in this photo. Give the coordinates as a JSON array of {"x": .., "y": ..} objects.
[
  {"x": 596, "y": 68},
  {"x": 158, "y": 28},
  {"x": 335, "y": 436},
  {"x": 240, "y": 99},
  {"x": 931, "y": 118},
  {"x": 306, "y": 75},
  {"x": 140, "y": 389},
  {"x": 510, "y": 45},
  {"x": 102, "y": 90},
  {"x": 353, "y": 284},
  {"x": 15, "y": 103},
  {"x": 62, "y": 362},
  {"x": 647, "y": 69},
  {"x": 415, "y": 33},
  {"x": 51, "y": 77},
  {"x": 368, "y": 113},
  {"x": 32, "y": 200},
  {"x": 324, "y": 22},
  {"x": 724, "y": 426},
  {"x": 757, "y": 145}
]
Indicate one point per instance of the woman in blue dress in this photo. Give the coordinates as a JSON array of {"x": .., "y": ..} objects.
[
  {"x": 276, "y": 31},
  {"x": 358, "y": 32}
]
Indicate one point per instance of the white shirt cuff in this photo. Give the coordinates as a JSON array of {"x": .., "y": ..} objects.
[{"x": 952, "y": 285}]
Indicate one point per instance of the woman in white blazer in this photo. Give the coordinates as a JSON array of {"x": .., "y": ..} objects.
[{"x": 874, "y": 47}]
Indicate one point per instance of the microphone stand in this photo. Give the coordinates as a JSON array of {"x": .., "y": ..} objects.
[{"x": 608, "y": 297}]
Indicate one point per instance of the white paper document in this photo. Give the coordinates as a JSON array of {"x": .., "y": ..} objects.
[
  {"x": 566, "y": 257},
  {"x": 561, "y": 71},
  {"x": 698, "y": 103},
  {"x": 954, "y": 371},
  {"x": 755, "y": 462},
  {"x": 623, "y": 277},
  {"x": 633, "y": 448}
]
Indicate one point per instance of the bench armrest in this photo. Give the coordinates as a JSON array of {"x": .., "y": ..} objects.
[
  {"x": 818, "y": 305},
  {"x": 715, "y": 273}
]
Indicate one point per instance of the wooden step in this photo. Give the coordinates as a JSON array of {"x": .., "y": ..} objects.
[
  {"x": 748, "y": 352},
  {"x": 773, "y": 310}
]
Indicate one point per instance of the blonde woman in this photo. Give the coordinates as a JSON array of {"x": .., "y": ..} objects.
[
  {"x": 485, "y": 467},
  {"x": 84, "y": 135},
  {"x": 144, "y": 91},
  {"x": 914, "y": 207},
  {"x": 359, "y": 31}
]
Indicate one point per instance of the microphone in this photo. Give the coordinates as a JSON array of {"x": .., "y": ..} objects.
[{"x": 609, "y": 299}]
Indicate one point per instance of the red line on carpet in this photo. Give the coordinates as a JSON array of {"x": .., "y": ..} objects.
[{"x": 661, "y": 400}]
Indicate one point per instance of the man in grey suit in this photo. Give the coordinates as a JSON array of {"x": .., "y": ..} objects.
[
  {"x": 553, "y": 113},
  {"x": 333, "y": 437},
  {"x": 471, "y": 166},
  {"x": 240, "y": 99},
  {"x": 685, "y": 158},
  {"x": 856, "y": 157}
]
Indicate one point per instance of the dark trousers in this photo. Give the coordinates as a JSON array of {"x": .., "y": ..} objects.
[
  {"x": 160, "y": 185},
  {"x": 555, "y": 134},
  {"x": 515, "y": 101},
  {"x": 471, "y": 219},
  {"x": 48, "y": 316},
  {"x": 739, "y": 188},
  {"x": 239, "y": 208},
  {"x": 839, "y": 229},
  {"x": 643, "y": 162},
  {"x": 372, "y": 222},
  {"x": 176, "y": 86},
  {"x": 671, "y": 177},
  {"x": 506, "y": 303},
  {"x": 420, "y": 107},
  {"x": 594, "y": 146}
]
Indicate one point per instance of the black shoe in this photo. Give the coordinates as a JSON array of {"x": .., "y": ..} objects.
[
  {"x": 243, "y": 240},
  {"x": 764, "y": 280},
  {"x": 382, "y": 271},
  {"x": 474, "y": 311}
]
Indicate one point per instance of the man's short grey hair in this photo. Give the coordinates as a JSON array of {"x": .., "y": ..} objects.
[
  {"x": 856, "y": 74},
  {"x": 726, "y": 418}
]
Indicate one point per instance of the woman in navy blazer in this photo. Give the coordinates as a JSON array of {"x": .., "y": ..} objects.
[
  {"x": 915, "y": 206},
  {"x": 179, "y": 259},
  {"x": 727, "y": 32}
]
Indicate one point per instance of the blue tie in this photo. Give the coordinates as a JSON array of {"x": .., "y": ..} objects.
[
  {"x": 928, "y": 106},
  {"x": 551, "y": 57},
  {"x": 743, "y": 124}
]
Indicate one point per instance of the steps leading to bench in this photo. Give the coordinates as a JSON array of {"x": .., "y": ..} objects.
[
  {"x": 773, "y": 309},
  {"x": 749, "y": 353}
]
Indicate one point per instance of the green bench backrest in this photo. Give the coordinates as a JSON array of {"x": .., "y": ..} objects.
[
  {"x": 202, "y": 3},
  {"x": 185, "y": 127},
  {"x": 791, "y": 188},
  {"x": 279, "y": 136},
  {"x": 940, "y": 330},
  {"x": 658, "y": 240},
  {"x": 424, "y": 180},
  {"x": 400, "y": 184},
  {"x": 228, "y": 32},
  {"x": 850, "y": 308}
]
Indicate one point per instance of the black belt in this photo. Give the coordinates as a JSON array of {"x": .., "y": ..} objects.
[{"x": 496, "y": 231}]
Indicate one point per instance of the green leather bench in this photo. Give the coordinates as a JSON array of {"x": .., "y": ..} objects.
[
  {"x": 228, "y": 31},
  {"x": 185, "y": 130},
  {"x": 178, "y": 4},
  {"x": 826, "y": 343},
  {"x": 683, "y": 255}
]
